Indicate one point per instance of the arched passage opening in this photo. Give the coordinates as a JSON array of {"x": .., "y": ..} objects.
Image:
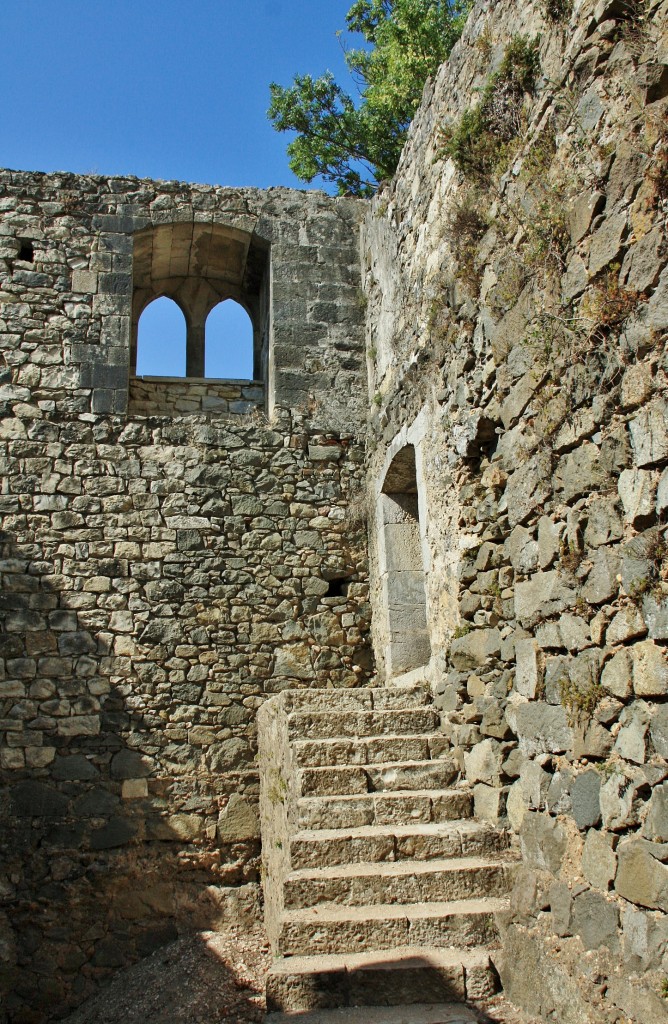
[
  {"x": 161, "y": 340},
  {"x": 402, "y": 566},
  {"x": 228, "y": 345}
]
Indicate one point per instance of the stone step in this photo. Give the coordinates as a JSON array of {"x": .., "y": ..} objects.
[
  {"x": 369, "y": 698},
  {"x": 408, "y": 975},
  {"x": 331, "y": 724},
  {"x": 376, "y": 843},
  {"x": 369, "y": 750},
  {"x": 405, "y": 882},
  {"x": 378, "y": 778},
  {"x": 403, "y": 808},
  {"x": 332, "y": 929},
  {"x": 428, "y": 1013}
]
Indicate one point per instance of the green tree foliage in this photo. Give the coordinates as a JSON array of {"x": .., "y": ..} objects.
[{"x": 357, "y": 144}]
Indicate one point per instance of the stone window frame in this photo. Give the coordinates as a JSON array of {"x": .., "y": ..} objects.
[{"x": 170, "y": 261}]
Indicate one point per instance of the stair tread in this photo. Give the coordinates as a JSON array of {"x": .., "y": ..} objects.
[
  {"x": 383, "y": 911},
  {"x": 387, "y": 794},
  {"x": 378, "y": 765},
  {"x": 415, "y": 1013},
  {"x": 400, "y": 867},
  {"x": 400, "y": 956},
  {"x": 365, "y": 739},
  {"x": 432, "y": 828}
]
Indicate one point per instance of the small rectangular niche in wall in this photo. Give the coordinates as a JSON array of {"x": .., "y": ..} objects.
[{"x": 403, "y": 569}]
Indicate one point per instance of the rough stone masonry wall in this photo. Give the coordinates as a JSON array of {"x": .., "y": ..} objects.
[
  {"x": 160, "y": 575},
  {"x": 516, "y": 334}
]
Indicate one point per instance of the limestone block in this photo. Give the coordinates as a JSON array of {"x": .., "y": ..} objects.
[
  {"x": 607, "y": 241},
  {"x": 650, "y": 669},
  {"x": 619, "y": 802},
  {"x": 601, "y": 582},
  {"x": 655, "y": 614},
  {"x": 517, "y": 805},
  {"x": 528, "y": 487},
  {"x": 581, "y": 213},
  {"x": 84, "y": 281},
  {"x": 545, "y": 594},
  {"x": 637, "y": 490},
  {"x": 483, "y": 762},
  {"x": 539, "y": 727},
  {"x": 649, "y": 433},
  {"x": 549, "y": 541},
  {"x": 529, "y": 668},
  {"x": 585, "y": 797},
  {"x": 662, "y": 493},
  {"x": 631, "y": 739},
  {"x": 522, "y": 550},
  {"x": 599, "y": 861},
  {"x": 580, "y": 471},
  {"x": 641, "y": 877},
  {"x": 574, "y": 632},
  {"x": 659, "y": 730},
  {"x": 655, "y": 826},
  {"x": 636, "y": 385},
  {"x": 476, "y": 649},
  {"x": 294, "y": 661},
  {"x": 239, "y": 821},
  {"x": 596, "y": 920},
  {"x": 603, "y": 524},
  {"x": 489, "y": 802},
  {"x": 628, "y": 624},
  {"x": 544, "y": 842}
]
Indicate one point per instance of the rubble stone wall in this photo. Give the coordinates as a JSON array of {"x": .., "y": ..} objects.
[
  {"x": 160, "y": 575},
  {"x": 517, "y": 317}
]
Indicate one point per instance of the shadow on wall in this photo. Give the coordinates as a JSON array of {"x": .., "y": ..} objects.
[{"x": 106, "y": 852}]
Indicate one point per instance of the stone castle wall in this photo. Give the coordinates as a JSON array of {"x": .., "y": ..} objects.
[
  {"x": 162, "y": 572},
  {"x": 516, "y": 339}
]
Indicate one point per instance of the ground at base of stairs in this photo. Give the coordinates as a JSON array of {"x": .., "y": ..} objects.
[{"x": 498, "y": 1011}]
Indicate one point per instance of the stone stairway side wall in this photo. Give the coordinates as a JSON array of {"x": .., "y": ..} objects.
[
  {"x": 279, "y": 792},
  {"x": 517, "y": 323}
]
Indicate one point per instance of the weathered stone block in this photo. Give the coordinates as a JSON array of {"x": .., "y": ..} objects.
[{"x": 641, "y": 877}]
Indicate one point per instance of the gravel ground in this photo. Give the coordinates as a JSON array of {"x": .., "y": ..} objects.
[{"x": 209, "y": 978}]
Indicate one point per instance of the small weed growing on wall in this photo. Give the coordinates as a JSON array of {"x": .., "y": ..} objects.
[
  {"x": 655, "y": 551},
  {"x": 278, "y": 787},
  {"x": 609, "y": 304},
  {"x": 461, "y": 631},
  {"x": 663, "y": 988},
  {"x": 378, "y": 399},
  {"x": 466, "y": 226},
  {"x": 579, "y": 704},
  {"x": 486, "y": 137},
  {"x": 571, "y": 556},
  {"x": 557, "y": 10}
]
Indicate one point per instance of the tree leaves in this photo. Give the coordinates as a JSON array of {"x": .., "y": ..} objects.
[{"x": 356, "y": 145}]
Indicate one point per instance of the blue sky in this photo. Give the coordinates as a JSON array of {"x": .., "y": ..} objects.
[
  {"x": 162, "y": 89},
  {"x": 157, "y": 88}
]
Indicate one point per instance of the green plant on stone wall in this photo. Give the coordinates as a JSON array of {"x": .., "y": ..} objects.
[
  {"x": 655, "y": 552},
  {"x": 466, "y": 224},
  {"x": 579, "y": 703},
  {"x": 486, "y": 137},
  {"x": 558, "y": 10}
]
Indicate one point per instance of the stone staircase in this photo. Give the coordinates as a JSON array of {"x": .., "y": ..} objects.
[{"x": 380, "y": 888}]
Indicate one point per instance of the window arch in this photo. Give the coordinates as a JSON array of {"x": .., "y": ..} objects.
[
  {"x": 228, "y": 345},
  {"x": 161, "y": 340}
]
